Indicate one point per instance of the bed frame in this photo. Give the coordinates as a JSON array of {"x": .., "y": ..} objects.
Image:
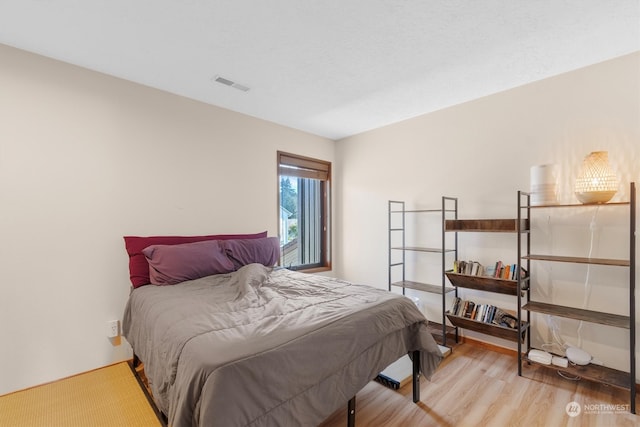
[
  {"x": 162, "y": 417},
  {"x": 351, "y": 405},
  {"x": 415, "y": 357}
]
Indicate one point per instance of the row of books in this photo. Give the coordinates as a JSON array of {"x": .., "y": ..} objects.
[
  {"x": 499, "y": 270},
  {"x": 470, "y": 268},
  {"x": 483, "y": 313},
  {"x": 508, "y": 271}
]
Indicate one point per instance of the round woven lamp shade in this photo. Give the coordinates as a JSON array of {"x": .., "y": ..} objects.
[{"x": 597, "y": 182}]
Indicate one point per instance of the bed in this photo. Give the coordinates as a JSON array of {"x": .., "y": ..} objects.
[{"x": 263, "y": 346}]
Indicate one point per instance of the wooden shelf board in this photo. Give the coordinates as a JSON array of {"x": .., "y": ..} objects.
[
  {"x": 580, "y": 260},
  {"x": 483, "y": 283},
  {"x": 423, "y": 249},
  {"x": 417, "y": 210},
  {"x": 436, "y": 331},
  {"x": 489, "y": 328},
  {"x": 579, "y": 314},
  {"x": 486, "y": 225},
  {"x": 422, "y": 210},
  {"x": 591, "y": 372},
  {"x": 424, "y": 287},
  {"x": 576, "y": 205}
]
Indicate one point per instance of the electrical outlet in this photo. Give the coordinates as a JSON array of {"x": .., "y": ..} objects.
[{"x": 113, "y": 328}]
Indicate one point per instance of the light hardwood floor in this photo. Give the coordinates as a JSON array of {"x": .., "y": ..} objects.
[{"x": 476, "y": 386}]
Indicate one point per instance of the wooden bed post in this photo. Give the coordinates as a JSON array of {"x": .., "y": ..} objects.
[
  {"x": 416, "y": 376},
  {"x": 351, "y": 412}
]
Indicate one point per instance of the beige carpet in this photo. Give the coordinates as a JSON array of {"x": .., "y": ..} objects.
[{"x": 107, "y": 397}]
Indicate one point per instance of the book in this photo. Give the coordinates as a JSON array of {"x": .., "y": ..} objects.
[
  {"x": 468, "y": 268},
  {"x": 483, "y": 315},
  {"x": 454, "y": 306},
  {"x": 469, "y": 309},
  {"x": 498, "y": 269},
  {"x": 506, "y": 271},
  {"x": 491, "y": 314},
  {"x": 503, "y": 318},
  {"x": 474, "y": 268},
  {"x": 487, "y": 314},
  {"x": 462, "y": 308}
]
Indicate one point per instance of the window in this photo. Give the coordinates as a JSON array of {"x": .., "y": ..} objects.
[{"x": 304, "y": 206}]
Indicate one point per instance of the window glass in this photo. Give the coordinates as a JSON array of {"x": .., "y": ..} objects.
[{"x": 303, "y": 211}]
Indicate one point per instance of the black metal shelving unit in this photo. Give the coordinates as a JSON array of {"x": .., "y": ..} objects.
[
  {"x": 398, "y": 226},
  {"x": 592, "y": 372}
]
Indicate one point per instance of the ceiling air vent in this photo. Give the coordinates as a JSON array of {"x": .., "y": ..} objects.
[{"x": 231, "y": 83}]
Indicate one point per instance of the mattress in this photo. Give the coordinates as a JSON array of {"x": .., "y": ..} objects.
[{"x": 264, "y": 346}]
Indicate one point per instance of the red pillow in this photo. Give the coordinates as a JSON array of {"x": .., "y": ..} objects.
[{"x": 138, "y": 265}]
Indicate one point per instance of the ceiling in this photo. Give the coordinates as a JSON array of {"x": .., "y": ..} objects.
[{"x": 329, "y": 67}]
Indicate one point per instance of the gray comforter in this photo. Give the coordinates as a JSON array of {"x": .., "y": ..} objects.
[{"x": 267, "y": 347}]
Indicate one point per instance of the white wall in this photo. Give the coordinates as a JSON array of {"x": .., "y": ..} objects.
[
  {"x": 85, "y": 159},
  {"x": 481, "y": 152}
]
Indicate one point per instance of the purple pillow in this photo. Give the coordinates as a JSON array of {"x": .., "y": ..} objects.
[
  {"x": 265, "y": 251},
  {"x": 171, "y": 264},
  {"x": 138, "y": 265}
]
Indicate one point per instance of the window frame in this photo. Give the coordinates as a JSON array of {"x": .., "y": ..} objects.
[{"x": 316, "y": 169}]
